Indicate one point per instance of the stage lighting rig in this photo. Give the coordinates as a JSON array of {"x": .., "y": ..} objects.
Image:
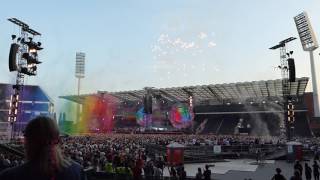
[
  {"x": 23, "y": 58},
  {"x": 288, "y": 76},
  {"x": 25, "y": 51}
]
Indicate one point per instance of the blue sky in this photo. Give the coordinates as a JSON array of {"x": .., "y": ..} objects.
[{"x": 133, "y": 44}]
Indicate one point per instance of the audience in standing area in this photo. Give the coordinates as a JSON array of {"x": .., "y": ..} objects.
[
  {"x": 296, "y": 176},
  {"x": 199, "y": 174},
  {"x": 307, "y": 171},
  {"x": 207, "y": 173},
  {"x": 315, "y": 170},
  {"x": 124, "y": 155}
]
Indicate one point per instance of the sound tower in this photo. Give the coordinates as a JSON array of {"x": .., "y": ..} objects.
[
  {"x": 147, "y": 102},
  {"x": 292, "y": 70},
  {"x": 13, "y": 57}
]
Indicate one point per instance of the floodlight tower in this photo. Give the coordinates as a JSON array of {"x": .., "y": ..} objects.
[
  {"x": 80, "y": 65},
  {"x": 287, "y": 129},
  {"x": 309, "y": 43},
  {"x": 23, "y": 58},
  {"x": 79, "y": 73}
]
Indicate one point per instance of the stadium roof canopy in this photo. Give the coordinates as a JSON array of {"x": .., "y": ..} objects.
[{"x": 217, "y": 93}]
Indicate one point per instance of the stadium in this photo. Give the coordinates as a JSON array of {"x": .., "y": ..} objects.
[
  {"x": 240, "y": 112},
  {"x": 215, "y": 109},
  {"x": 160, "y": 92}
]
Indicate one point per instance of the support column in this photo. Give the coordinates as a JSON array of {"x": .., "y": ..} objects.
[{"x": 314, "y": 86}]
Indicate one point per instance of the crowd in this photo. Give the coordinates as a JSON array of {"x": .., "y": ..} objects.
[
  {"x": 9, "y": 160},
  {"x": 120, "y": 154},
  {"x": 126, "y": 154}
]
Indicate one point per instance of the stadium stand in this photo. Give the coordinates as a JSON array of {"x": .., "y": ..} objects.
[
  {"x": 33, "y": 102},
  {"x": 219, "y": 107}
]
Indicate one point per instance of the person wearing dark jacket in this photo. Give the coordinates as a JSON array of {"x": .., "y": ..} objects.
[
  {"x": 182, "y": 174},
  {"x": 44, "y": 158},
  {"x": 298, "y": 167},
  {"x": 278, "y": 175},
  {"x": 199, "y": 174},
  {"x": 307, "y": 171},
  {"x": 315, "y": 170},
  {"x": 296, "y": 176},
  {"x": 207, "y": 173}
]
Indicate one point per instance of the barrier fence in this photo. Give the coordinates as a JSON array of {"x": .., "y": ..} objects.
[{"x": 213, "y": 152}]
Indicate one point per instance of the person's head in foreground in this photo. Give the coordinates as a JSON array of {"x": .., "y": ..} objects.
[
  {"x": 42, "y": 145},
  {"x": 43, "y": 155}
]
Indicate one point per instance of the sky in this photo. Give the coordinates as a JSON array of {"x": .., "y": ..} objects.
[{"x": 131, "y": 44}]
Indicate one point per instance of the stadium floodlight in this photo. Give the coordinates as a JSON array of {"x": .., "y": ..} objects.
[
  {"x": 80, "y": 67},
  {"x": 309, "y": 43},
  {"x": 79, "y": 73},
  {"x": 306, "y": 34},
  {"x": 80, "y": 64}
]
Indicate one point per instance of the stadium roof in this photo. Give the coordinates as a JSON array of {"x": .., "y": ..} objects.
[{"x": 214, "y": 92}]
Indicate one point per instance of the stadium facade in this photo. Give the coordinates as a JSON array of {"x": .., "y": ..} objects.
[{"x": 33, "y": 101}]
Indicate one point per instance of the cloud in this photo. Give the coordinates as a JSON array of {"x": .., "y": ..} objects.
[
  {"x": 162, "y": 38},
  {"x": 211, "y": 44},
  {"x": 155, "y": 48},
  {"x": 216, "y": 69},
  {"x": 202, "y": 35}
]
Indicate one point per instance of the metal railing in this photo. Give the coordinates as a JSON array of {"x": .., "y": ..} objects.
[{"x": 207, "y": 152}]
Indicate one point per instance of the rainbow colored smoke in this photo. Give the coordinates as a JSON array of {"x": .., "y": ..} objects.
[{"x": 96, "y": 115}]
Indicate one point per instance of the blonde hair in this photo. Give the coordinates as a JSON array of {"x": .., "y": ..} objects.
[{"x": 42, "y": 146}]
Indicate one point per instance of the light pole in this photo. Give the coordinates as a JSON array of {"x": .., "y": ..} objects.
[
  {"x": 309, "y": 43},
  {"x": 79, "y": 73}
]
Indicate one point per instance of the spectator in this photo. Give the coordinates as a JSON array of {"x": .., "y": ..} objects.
[
  {"x": 307, "y": 171},
  {"x": 182, "y": 174},
  {"x": 160, "y": 164},
  {"x": 137, "y": 172},
  {"x": 298, "y": 167},
  {"x": 44, "y": 160},
  {"x": 315, "y": 170},
  {"x": 148, "y": 170},
  {"x": 258, "y": 155},
  {"x": 157, "y": 173},
  {"x": 207, "y": 173},
  {"x": 128, "y": 172},
  {"x": 173, "y": 174},
  {"x": 108, "y": 168},
  {"x": 3, "y": 163},
  {"x": 199, "y": 174},
  {"x": 296, "y": 176},
  {"x": 278, "y": 175}
]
